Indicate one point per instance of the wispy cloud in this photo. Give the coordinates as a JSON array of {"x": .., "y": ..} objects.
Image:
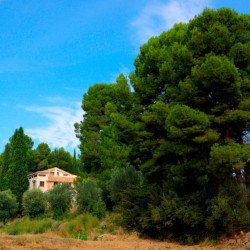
[
  {"x": 121, "y": 70},
  {"x": 60, "y": 130},
  {"x": 158, "y": 16}
]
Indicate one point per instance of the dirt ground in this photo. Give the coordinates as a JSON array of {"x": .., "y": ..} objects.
[{"x": 109, "y": 242}]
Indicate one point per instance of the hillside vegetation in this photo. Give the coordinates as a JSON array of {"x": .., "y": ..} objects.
[{"x": 167, "y": 148}]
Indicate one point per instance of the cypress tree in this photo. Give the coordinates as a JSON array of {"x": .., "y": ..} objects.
[
  {"x": 5, "y": 166},
  {"x": 74, "y": 164},
  {"x": 17, "y": 174}
]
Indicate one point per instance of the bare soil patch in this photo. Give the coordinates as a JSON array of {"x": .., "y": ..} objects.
[{"x": 51, "y": 241}]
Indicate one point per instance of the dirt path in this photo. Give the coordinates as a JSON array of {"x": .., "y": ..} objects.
[{"x": 106, "y": 242}]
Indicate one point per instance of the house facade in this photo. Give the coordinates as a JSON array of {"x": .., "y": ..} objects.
[{"x": 47, "y": 179}]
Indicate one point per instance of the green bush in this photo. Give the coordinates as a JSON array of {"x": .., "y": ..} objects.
[
  {"x": 79, "y": 226},
  {"x": 59, "y": 199},
  {"x": 25, "y": 225},
  {"x": 121, "y": 179},
  {"x": 8, "y": 205},
  {"x": 34, "y": 203},
  {"x": 227, "y": 211},
  {"x": 89, "y": 198}
]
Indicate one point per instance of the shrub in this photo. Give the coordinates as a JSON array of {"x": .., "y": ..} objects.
[
  {"x": 81, "y": 225},
  {"x": 89, "y": 198},
  {"x": 59, "y": 199},
  {"x": 121, "y": 179},
  {"x": 25, "y": 225},
  {"x": 8, "y": 205},
  {"x": 34, "y": 203}
]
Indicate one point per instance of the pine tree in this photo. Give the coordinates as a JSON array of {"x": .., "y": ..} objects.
[{"x": 185, "y": 128}]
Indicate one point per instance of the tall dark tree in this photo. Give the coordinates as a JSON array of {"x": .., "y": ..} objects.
[
  {"x": 17, "y": 174},
  {"x": 205, "y": 65},
  {"x": 5, "y": 166},
  {"x": 99, "y": 103}
]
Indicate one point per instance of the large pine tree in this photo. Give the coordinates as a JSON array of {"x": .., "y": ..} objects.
[{"x": 185, "y": 130}]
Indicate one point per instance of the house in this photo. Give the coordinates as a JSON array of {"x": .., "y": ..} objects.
[{"x": 47, "y": 179}]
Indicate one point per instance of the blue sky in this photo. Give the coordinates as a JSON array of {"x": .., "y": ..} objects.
[{"x": 53, "y": 50}]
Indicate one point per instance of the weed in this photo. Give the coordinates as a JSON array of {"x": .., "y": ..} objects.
[
  {"x": 80, "y": 236},
  {"x": 26, "y": 225},
  {"x": 82, "y": 224}
]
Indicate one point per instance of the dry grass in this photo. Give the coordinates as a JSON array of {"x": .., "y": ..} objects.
[
  {"x": 87, "y": 232},
  {"x": 49, "y": 241}
]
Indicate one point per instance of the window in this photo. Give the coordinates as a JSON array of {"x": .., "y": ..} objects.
[
  {"x": 57, "y": 173},
  {"x": 41, "y": 183}
]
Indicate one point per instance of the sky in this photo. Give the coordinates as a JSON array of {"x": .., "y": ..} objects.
[{"x": 52, "y": 51}]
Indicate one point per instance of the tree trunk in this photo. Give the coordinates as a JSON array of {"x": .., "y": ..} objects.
[
  {"x": 247, "y": 174},
  {"x": 238, "y": 177}
]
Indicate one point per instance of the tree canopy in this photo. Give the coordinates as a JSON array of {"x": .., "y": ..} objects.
[{"x": 183, "y": 125}]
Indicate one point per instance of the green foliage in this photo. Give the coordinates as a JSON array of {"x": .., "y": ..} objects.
[
  {"x": 62, "y": 159},
  {"x": 38, "y": 159},
  {"x": 101, "y": 101},
  {"x": 34, "y": 203},
  {"x": 134, "y": 209},
  {"x": 184, "y": 126},
  {"x": 89, "y": 198},
  {"x": 184, "y": 123},
  {"x": 233, "y": 154},
  {"x": 122, "y": 179},
  {"x": 42, "y": 158},
  {"x": 79, "y": 227},
  {"x": 59, "y": 199},
  {"x": 25, "y": 225},
  {"x": 8, "y": 206},
  {"x": 17, "y": 173},
  {"x": 227, "y": 210},
  {"x": 5, "y": 165}
]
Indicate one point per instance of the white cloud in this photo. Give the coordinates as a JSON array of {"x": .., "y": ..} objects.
[
  {"x": 159, "y": 16},
  {"x": 60, "y": 130},
  {"x": 121, "y": 70}
]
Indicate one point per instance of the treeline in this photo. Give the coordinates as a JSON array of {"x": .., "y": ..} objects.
[
  {"x": 43, "y": 157},
  {"x": 19, "y": 159},
  {"x": 170, "y": 146}
]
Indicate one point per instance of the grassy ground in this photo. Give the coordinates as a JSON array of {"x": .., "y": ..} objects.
[
  {"x": 82, "y": 227},
  {"x": 87, "y": 232},
  {"x": 49, "y": 241}
]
